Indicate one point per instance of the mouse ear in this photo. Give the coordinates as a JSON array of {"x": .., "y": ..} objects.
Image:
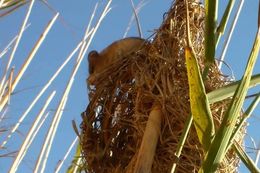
[{"x": 92, "y": 58}]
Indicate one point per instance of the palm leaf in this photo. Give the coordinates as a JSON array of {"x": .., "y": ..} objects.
[
  {"x": 198, "y": 100},
  {"x": 221, "y": 141}
]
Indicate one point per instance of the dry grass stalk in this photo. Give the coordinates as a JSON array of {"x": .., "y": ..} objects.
[
  {"x": 44, "y": 155},
  {"x": 3, "y": 91},
  {"x": 9, "y": 45},
  {"x": 137, "y": 9},
  {"x": 29, "y": 59},
  {"x": 137, "y": 19},
  {"x": 66, "y": 155},
  {"x": 3, "y": 114},
  {"x": 27, "y": 141},
  {"x": 20, "y": 74},
  {"x": 89, "y": 34},
  {"x": 46, "y": 86},
  {"x": 11, "y": 6},
  {"x": 14, "y": 50},
  {"x": 10, "y": 86}
]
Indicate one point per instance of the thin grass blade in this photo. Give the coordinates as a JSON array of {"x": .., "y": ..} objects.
[
  {"x": 138, "y": 8},
  {"x": 137, "y": 19},
  {"x": 229, "y": 90},
  {"x": 57, "y": 170},
  {"x": 246, "y": 115},
  {"x": 4, "y": 100},
  {"x": 29, "y": 59},
  {"x": 11, "y": 9},
  {"x": 16, "y": 46},
  {"x": 223, "y": 23},
  {"x": 59, "y": 111},
  {"x": 75, "y": 128},
  {"x": 74, "y": 162},
  {"x": 24, "y": 147},
  {"x": 257, "y": 154},
  {"x": 182, "y": 141},
  {"x": 249, "y": 163},
  {"x": 10, "y": 79},
  {"x": 12, "y": 4},
  {"x": 211, "y": 7},
  {"x": 230, "y": 33},
  {"x": 9, "y": 45}
]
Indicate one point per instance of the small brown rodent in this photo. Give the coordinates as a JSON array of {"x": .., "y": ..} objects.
[{"x": 100, "y": 61}]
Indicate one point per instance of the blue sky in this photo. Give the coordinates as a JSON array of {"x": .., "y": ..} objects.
[{"x": 64, "y": 36}]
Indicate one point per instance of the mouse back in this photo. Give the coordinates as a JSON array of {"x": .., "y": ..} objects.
[{"x": 122, "y": 47}]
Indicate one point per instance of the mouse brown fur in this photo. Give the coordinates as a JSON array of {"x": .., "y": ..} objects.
[{"x": 100, "y": 61}]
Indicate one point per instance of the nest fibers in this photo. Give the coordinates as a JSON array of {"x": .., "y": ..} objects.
[{"x": 115, "y": 119}]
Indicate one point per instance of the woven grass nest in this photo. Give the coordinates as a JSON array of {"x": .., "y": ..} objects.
[{"x": 115, "y": 119}]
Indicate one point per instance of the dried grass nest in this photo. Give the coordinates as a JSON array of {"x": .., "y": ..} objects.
[{"x": 114, "y": 121}]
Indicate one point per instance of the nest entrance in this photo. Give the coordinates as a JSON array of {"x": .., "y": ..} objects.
[{"x": 122, "y": 99}]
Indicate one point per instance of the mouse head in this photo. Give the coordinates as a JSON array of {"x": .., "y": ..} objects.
[{"x": 92, "y": 60}]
